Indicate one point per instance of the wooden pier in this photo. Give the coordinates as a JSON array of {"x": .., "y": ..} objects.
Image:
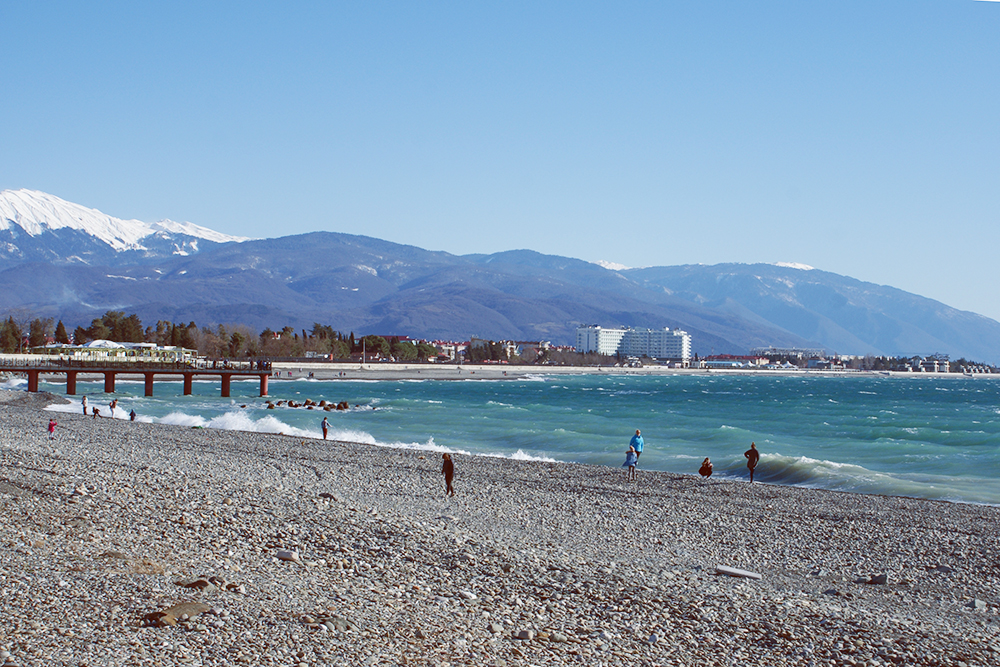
[{"x": 226, "y": 371}]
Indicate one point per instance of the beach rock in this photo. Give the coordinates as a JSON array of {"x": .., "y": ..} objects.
[
  {"x": 288, "y": 555},
  {"x": 525, "y": 635},
  {"x": 879, "y": 579},
  {"x": 179, "y": 612},
  {"x": 199, "y": 583},
  {"x": 977, "y": 604},
  {"x": 467, "y": 595},
  {"x": 494, "y": 628}
]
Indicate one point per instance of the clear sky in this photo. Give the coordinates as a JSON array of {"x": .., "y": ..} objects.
[{"x": 861, "y": 138}]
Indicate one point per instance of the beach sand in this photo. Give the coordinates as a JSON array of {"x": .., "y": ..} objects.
[{"x": 303, "y": 552}]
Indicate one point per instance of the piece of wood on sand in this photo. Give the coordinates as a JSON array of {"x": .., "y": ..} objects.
[{"x": 734, "y": 572}]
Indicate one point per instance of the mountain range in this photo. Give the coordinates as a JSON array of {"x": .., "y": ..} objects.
[{"x": 62, "y": 260}]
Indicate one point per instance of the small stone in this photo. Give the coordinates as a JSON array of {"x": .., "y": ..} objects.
[
  {"x": 467, "y": 595},
  {"x": 879, "y": 579},
  {"x": 831, "y": 591},
  {"x": 494, "y": 628},
  {"x": 652, "y": 639},
  {"x": 419, "y": 634},
  {"x": 558, "y": 637},
  {"x": 526, "y": 635},
  {"x": 286, "y": 555},
  {"x": 977, "y": 604}
]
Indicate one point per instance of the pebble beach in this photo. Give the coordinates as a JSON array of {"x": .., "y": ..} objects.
[{"x": 126, "y": 543}]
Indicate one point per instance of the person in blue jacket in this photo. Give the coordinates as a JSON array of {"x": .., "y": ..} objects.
[
  {"x": 636, "y": 443},
  {"x": 631, "y": 459}
]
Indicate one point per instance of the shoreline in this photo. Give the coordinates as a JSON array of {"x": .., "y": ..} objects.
[
  {"x": 335, "y": 370},
  {"x": 101, "y": 523}
]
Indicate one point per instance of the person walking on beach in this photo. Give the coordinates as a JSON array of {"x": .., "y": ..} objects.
[
  {"x": 449, "y": 474},
  {"x": 52, "y": 429},
  {"x": 132, "y": 415},
  {"x": 752, "y": 457},
  {"x": 84, "y": 401},
  {"x": 326, "y": 426},
  {"x": 706, "y": 468},
  {"x": 113, "y": 404},
  {"x": 631, "y": 460},
  {"x": 636, "y": 444},
  {"x": 97, "y": 413}
]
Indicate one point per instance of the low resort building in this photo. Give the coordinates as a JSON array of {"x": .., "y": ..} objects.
[{"x": 101, "y": 351}]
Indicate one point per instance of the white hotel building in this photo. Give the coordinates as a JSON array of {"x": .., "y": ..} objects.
[{"x": 665, "y": 343}]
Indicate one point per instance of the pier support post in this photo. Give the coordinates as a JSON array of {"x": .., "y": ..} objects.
[
  {"x": 32, "y": 380},
  {"x": 109, "y": 382},
  {"x": 226, "y": 377},
  {"x": 149, "y": 383},
  {"x": 263, "y": 384},
  {"x": 71, "y": 383},
  {"x": 187, "y": 383}
]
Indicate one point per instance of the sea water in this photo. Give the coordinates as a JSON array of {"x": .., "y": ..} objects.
[{"x": 925, "y": 436}]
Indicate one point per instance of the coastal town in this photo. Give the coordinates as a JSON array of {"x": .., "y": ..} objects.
[{"x": 119, "y": 338}]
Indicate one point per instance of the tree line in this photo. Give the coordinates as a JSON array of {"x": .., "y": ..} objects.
[{"x": 18, "y": 333}]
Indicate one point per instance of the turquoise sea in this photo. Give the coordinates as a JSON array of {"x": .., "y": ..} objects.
[{"x": 924, "y": 436}]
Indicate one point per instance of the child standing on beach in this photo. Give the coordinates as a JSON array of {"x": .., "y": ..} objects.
[
  {"x": 631, "y": 459},
  {"x": 52, "y": 429},
  {"x": 449, "y": 474}
]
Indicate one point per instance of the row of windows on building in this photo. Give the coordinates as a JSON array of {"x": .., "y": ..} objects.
[{"x": 672, "y": 344}]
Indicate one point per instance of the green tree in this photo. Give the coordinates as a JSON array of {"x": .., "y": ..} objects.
[
  {"x": 61, "y": 336},
  {"x": 237, "y": 342},
  {"x": 80, "y": 336},
  {"x": 10, "y": 336},
  {"x": 404, "y": 351},
  {"x": 426, "y": 351},
  {"x": 98, "y": 330},
  {"x": 340, "y": 349},
  {"x": 38, "y": 331},
  {"x": 376, "y": 346}
]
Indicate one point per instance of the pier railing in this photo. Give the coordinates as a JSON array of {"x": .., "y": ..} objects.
[{"x": 137, "y": 366}]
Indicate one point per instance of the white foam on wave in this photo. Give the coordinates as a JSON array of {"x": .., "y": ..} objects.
[
  {"x": 519, "y": 455},
  {"x": 15, "y": 384}
]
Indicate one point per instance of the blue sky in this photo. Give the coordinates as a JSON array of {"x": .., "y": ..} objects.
[{"x": 857, "y": 137}]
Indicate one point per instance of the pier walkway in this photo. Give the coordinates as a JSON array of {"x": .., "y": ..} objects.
[{"x": 225, "y": 370}]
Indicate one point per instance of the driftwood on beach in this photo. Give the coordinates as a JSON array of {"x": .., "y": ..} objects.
[{"x": 124, "y": 543}]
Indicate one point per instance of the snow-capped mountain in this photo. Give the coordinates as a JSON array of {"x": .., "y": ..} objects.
[{"x": 38, "y": 226}]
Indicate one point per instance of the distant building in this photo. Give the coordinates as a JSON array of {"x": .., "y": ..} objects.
[
  {"x": 788, "y": 352},
  {"x": 666, "y": 343}
]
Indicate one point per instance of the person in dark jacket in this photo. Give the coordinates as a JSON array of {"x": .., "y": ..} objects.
[
  {"x": 706, "y": 468},
  {"x": 449, "y": 474},
  {"x": 752, "y": 457}
]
